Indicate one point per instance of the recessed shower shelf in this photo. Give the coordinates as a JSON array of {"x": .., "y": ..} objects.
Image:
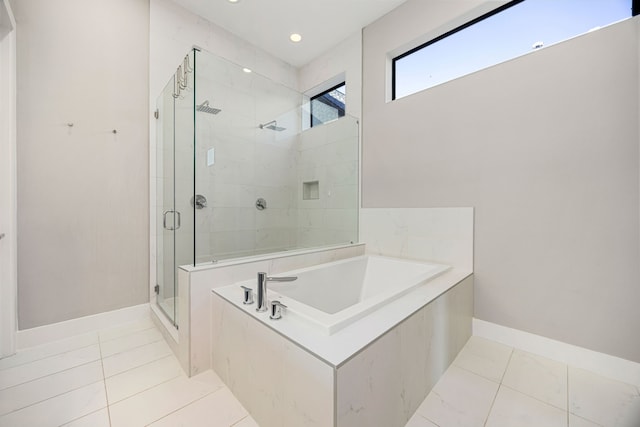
[{"x": 311, "y": 190}]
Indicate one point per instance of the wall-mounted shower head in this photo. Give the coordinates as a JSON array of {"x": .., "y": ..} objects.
[
  {"x": 273, "y": 125},
  {"x": 204, "y": 107}
]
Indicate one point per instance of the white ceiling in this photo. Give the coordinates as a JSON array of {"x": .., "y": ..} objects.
[{"x": 268, "y": 23}]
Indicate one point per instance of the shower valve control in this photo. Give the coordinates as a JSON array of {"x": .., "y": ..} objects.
[
  {"x": 261, "y": 204},
  {"x": 199, "y": 201},
  {"x": 247, "y": 297},
  {"x": 276, "y": 310}
]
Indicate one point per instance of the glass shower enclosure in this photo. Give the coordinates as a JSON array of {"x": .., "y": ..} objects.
[{"x": 239, "y": 172}]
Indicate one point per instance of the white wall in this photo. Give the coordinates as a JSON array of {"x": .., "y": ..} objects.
[
  {"x": 8, "y": 218},
  {"x": 545, "y": 147},
  {"x": 82, "y": 190},
  {"x": 345, "y": 58}
]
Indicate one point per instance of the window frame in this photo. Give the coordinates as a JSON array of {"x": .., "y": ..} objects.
[
  {"x": 321, "y": 94},
  {"x": 635, "y": 10}
]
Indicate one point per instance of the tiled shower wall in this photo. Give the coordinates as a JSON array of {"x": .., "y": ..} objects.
[
  {"x": 262, "y": 163},
  {"x": 237, "y": 162},
  {"x": 328, "y": 156}
]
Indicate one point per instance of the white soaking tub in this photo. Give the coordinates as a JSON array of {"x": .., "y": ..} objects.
[{"x": 332, "y": 296}]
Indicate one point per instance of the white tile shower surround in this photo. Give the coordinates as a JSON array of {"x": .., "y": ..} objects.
[{"x": 127, "y": 376}]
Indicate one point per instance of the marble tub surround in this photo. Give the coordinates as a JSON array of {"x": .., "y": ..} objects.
[
  {"x": 387, "y": 381},
  {"x": 379, "y": 368},
  {"x": 283, "y": 384},
  {"x": 339, "y": 347},
  {"x": 441, "y": 235},
  {"x": 193, "y": 344}
]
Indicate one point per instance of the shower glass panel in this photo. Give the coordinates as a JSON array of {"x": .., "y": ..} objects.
[
  {"x": 238, "y": 173},
  {"x": 254, "y": 165},
  {"x": 174, "y": 187}
]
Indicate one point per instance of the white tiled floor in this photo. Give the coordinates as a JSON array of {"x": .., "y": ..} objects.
[
  {"x": 127, "y": 376},
  {"x": 493, "y": 385},
  {"x": 124, "y": 376}
]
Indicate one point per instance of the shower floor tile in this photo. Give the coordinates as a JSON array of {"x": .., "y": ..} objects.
[{"x": 127, "y": 376}]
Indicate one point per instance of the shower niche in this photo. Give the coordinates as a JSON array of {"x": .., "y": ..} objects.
[{"x": 227, "y": 138}]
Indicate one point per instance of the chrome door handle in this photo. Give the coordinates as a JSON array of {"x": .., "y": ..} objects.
[
  {"x": 176, "y": 224},
  {"x": 164, "y": 221}
]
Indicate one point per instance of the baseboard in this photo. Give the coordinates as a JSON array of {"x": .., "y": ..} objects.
[
  {"x": 600, "y": 363},
  {"x": 68, "y": 328}
]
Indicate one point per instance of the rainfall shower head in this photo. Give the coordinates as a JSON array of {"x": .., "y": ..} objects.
[
  {"x": 204, "y": 107},
  {"x": 273, "y": 125}
]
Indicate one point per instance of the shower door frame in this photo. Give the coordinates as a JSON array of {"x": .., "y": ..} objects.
[
  {"x": 163, "y": 141},
  {"x": 175, "y": 214}
]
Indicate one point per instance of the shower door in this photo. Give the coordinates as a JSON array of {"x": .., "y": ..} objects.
[
  {"x": 167, "y": 219},
  {"x": 174, "y": 188}
]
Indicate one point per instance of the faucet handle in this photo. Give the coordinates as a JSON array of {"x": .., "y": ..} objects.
[
  {"x": 276, "y": 310},
  {"x": 282, "y": 279},
  {"x": 264, "y": 277},
  {"x": 248, "y": 295}
]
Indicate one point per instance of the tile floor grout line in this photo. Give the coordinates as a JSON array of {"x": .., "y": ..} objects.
[
  {"x": 125, "y": 335},
  {"x": 439, "y": 397},
  {"x": 191, "y": 403},
  {"x": 429, "y": 419},
  {"x": 493, "y": 402},
  {"x": 86, "y": 415},
  {"x": 46, "y": 357},
  {"x": 533, "y": 397},
  {"x": 513, "y": 350},
  {"x": 146, "y": 389},
  {"x": 49, "y": 398},
  {"x": 136, "y": 347},
  {"x": 474, "y": 373},
  {"x": 240, "y": 420},
  {"x": 139, "y": 366},
  {"x": 104, "y": 382},
  {"x": 590, "y": 421},
  {"x": 48, "y": 375}
]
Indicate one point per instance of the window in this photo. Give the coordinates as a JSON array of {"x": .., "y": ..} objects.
[
  {"x": 328, "y": 105},
  {"x": 504, "y": 33}
]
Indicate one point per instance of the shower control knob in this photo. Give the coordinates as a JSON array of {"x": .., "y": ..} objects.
[
  {"x": 247, "y": 297},
  {"x": 199, "y": 201},
  {"x": 276, "y": 310},
  {"x": 261, "y": 204}
]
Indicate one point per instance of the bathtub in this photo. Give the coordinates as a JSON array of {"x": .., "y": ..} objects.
[{"x": 328, "y": 297}]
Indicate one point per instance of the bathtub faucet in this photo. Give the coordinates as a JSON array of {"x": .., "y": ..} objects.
[{"x": 262, "y": 288}]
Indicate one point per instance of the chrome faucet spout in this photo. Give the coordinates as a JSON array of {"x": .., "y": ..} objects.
[{"x": 262, "y": 304}]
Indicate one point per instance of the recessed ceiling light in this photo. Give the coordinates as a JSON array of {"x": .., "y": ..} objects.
[
  {"x": 234, "y": 1},
  {"x": 295, "y": 37},
  {"x": 246, "y": 70}
]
